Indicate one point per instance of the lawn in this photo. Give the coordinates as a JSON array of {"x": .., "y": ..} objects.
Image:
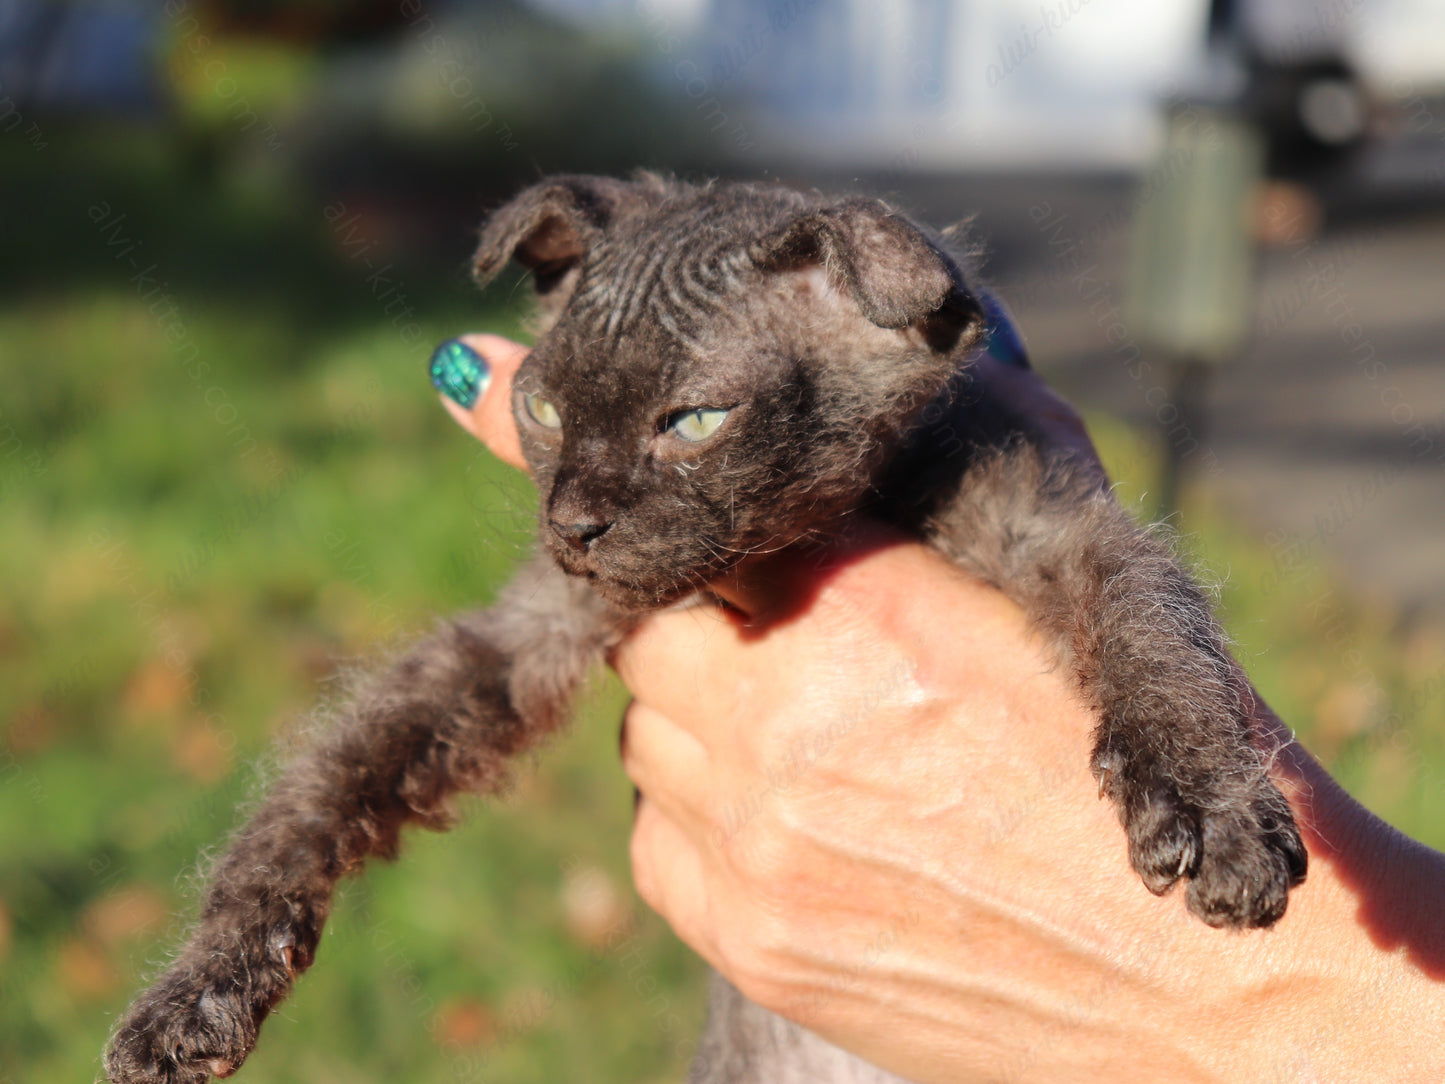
[{"x": 223, "y": 476}]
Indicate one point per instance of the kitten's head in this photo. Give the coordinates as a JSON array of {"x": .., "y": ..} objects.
[{"x": 720, "y": 369}]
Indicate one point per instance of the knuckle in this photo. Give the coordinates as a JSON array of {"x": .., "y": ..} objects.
[
  {"x": 755, "y": 957},
  {"x": 744, "y": 950},
  {"x": 762, "y": 856}
]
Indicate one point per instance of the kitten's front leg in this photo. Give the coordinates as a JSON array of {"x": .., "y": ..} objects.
[
  {"x": 1173, "y": 748},
  {"x": 443, "y": 718}
]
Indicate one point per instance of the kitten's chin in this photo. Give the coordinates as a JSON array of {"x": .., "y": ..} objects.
[
  {"x": 634, "y": 595},
  {"x": 639, "y": 597}
]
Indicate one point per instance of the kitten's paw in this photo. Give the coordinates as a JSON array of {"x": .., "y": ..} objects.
[
  {"x": 1240, "y": 850},
  {"x": 201, "y": 1017},
  {"x": 184, "y": 1030}
]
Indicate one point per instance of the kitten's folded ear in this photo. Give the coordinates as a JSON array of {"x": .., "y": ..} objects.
[
  {"x": 549, "y": 227},
  {"x": 896, "y": 274}
]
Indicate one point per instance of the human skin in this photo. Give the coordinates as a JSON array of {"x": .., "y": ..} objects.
[{"x": 865, "y": 798}]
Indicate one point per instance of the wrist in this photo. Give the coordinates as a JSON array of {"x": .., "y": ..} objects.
[{"x": 1350, "y": 985}]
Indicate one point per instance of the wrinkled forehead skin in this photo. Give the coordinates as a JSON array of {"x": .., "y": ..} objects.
[
  {"x": 658, "y": 270},
  {"x": 669, "y": 306}
]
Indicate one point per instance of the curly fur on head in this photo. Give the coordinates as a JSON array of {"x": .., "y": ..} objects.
[{"x": 724, "y": 369}]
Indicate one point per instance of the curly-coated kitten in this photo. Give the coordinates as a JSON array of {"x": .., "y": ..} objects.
[{"x": 724, "y": 369}]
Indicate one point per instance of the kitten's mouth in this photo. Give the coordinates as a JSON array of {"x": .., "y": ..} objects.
[{"x": 634, "y": 593}]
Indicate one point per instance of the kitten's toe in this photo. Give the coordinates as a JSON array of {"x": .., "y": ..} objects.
[
  {"x": 1242, "y": 881},
  {"x": 1164, "y": 839},
  {"x": 1163, "y": 831},
  {"x": 1251, "y": 860},
  {"x": 1286, "y": 841}
]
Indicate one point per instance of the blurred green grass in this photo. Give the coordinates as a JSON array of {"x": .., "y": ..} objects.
[
  {"x": 178, "y": 592},
  {"x": 189, "y": 555}
]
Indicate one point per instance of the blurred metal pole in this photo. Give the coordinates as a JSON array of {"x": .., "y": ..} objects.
[
  {"x": 1191, "y": 268},
  {"x": 1189, "y": 394}
]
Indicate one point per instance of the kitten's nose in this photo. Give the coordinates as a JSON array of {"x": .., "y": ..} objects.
[{"x": 581, "y": 534}]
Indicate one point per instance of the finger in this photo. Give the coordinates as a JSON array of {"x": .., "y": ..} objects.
[
  {"x": 684, "y": 663},
  {"x": 771, "y": 588},
  {"x": 474, "y": 374},
  {"x": 671, "y": 877},
  {"x": 669, "y": 766},
  {"x": 703, "y": 668}
]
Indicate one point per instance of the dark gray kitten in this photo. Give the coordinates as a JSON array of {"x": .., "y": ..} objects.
[{"x": 725, "y": 369}]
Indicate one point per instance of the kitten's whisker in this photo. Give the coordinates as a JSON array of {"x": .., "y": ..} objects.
[{"x": 762, "y": 548}]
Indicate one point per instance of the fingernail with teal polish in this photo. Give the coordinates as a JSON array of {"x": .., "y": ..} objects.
[{"x": 459, "y": 372}]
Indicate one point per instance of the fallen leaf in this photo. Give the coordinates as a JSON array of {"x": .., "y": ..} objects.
[
  {"x": 591, "y": 905},
  {"x": 85, "y": 971},
  {"x": 126, "y": 912},
  {"x": 154, "y": 689},
  {"x": 202, "y": 753},
  {"x": 465, "y": 1022}
]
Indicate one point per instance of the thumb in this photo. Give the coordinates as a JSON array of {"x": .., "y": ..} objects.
[{"x": 474, "y": 375}]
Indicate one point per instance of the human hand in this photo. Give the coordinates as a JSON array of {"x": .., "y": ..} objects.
[{"x": 868, "y": 803}]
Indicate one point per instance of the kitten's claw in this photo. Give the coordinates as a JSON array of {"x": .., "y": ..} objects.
[
  {"x": 1164, "y": 838},
  {"x": 283, "y": 945},
  {"x": 1106, "y": 764}
]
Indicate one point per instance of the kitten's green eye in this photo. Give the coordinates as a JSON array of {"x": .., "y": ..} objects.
[
  {"x": 696, "y": 425},
  {"x": 542, "y": 412}
]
